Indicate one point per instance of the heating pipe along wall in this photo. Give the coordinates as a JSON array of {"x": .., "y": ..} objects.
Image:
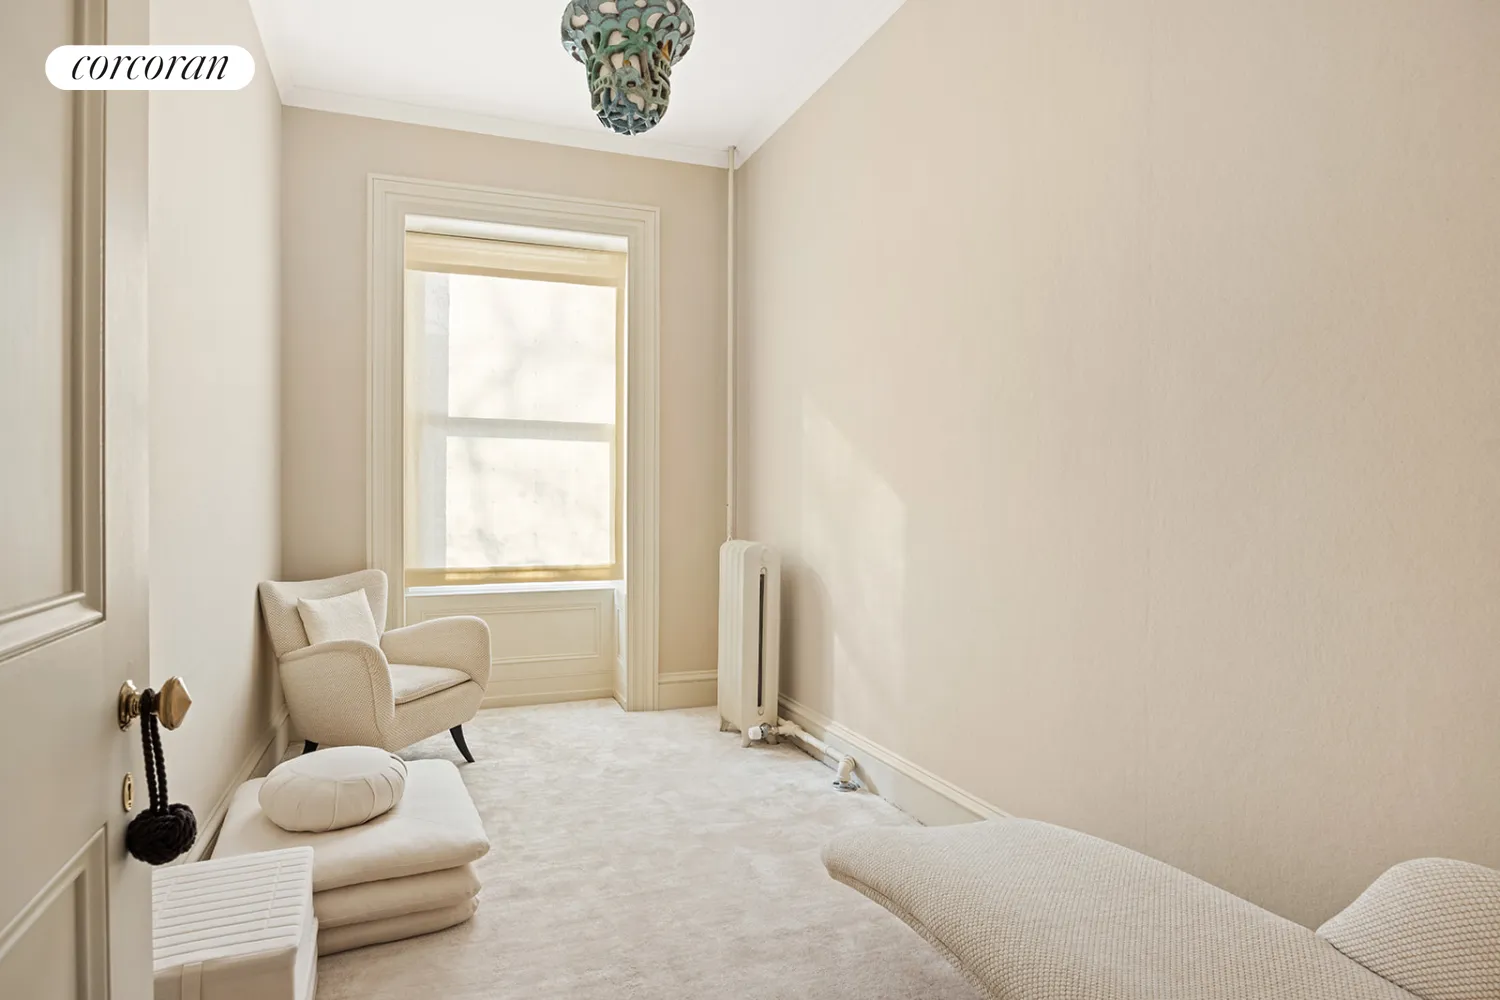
[
  {"x": 732, "y": 292},
  {"x": 843, "y": 762}
]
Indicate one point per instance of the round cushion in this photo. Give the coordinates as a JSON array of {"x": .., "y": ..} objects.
[{"x": 332, "y": 789}]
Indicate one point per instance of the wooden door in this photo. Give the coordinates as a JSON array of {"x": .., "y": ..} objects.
[{"x": 75, "y": 919}]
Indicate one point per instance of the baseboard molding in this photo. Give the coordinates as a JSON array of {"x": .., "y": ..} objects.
[
  {"x": 689, "y": 677},
  {"x": 546, "y": 697},
  {"x": 266, "y": 754},
  {"x": 689, "y": 689},
  {"x": 908, "y": 786}
]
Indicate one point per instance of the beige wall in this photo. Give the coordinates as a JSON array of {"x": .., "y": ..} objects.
[
  {"x": 327, "y": 161},
  {"x": 1123, "y": 384},
  {"x": 214, "y": 315}
]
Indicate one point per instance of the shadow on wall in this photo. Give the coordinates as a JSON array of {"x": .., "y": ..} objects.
[
  {"x": 269, "y": 703},
  {"x": 846, "y": 591}
]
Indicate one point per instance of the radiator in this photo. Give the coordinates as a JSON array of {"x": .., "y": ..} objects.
[{"x": 749, "y": 636}]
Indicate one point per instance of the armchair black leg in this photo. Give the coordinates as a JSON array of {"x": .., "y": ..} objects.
[
  {"x": 457, "y": 732},
  {"x": 308, "y": 746}
]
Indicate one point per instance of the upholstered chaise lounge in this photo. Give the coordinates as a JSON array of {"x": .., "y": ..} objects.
[{"x": 1029, "y": 911}]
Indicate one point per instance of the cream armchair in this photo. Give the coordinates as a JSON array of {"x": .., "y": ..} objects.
[{"x": 420, "y": 680}]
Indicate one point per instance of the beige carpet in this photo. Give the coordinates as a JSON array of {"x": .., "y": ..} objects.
[{"x": 649, "y": 855}]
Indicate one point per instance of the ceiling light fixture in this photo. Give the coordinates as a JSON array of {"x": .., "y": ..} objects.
[{"x": 629, "y": 48}]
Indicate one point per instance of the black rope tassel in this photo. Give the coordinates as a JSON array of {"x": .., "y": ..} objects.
[{"x": 163, "y": 832}]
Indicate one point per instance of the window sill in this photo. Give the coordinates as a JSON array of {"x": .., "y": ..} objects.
[{"x": 461, "y": 590}]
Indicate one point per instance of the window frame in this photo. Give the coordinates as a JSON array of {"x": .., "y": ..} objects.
[
  {"x": 393, "y": 204},
  {"x": 444, "y": 253}
]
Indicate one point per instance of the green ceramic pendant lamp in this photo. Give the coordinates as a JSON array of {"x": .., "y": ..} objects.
[{"x": 629, "y": 48}]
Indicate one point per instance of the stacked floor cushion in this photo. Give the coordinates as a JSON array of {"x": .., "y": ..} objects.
[{"x": 406, "y": 872}]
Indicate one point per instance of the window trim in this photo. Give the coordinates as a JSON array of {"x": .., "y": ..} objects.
[{"x": 391, "y": 200}]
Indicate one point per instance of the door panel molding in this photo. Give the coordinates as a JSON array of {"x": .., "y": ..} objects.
[
  {"x": 80, "y": 886},
  {"x": 50, "y": 618},
  {"x": 35, "y": 625}
]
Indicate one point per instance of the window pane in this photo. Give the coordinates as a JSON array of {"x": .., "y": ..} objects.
[
  {"x": 530, "y": 350},
  {"x": 510, "y": 422},
  {"x": 521, "y": 504}
]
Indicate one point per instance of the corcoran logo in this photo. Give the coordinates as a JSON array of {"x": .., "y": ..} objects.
[{"x": 150, "y": 67}]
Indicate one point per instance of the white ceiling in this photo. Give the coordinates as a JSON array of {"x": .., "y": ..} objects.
[{"x": 498, "y": 66}]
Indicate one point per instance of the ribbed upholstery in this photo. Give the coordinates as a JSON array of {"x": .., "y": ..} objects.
[
  {"x": 259, "y": 904},
  {"x": 1431, "y": 926},
  {"x": 344, "y": 693},
  {"x": 1030, "y": 911},
  {"x": 238, "y": 928}
]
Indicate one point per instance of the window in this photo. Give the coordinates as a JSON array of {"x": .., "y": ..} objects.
[{"x": 514, "y": 386}]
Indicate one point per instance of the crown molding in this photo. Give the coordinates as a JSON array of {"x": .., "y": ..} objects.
[{"x": 467, "y": 121}]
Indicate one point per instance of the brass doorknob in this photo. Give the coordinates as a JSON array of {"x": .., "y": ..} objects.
[
  {"x": 171, "y": 705},
  {"x": 173, "y": 702}
]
